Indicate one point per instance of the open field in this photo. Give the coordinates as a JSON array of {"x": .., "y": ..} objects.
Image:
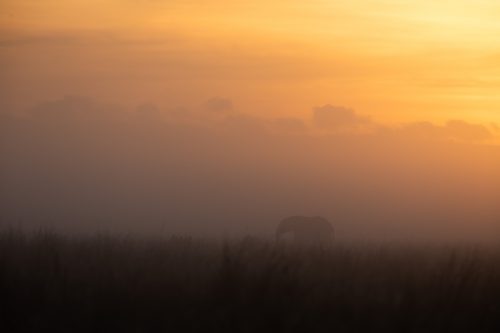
[{"x": 54, "y": 283}]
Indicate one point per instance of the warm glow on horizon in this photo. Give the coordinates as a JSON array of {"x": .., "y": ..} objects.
[
  {"x": 394, "y": 60},
  {"x": 384, "y": 114}
]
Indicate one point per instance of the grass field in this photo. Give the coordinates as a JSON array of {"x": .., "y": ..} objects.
[{"x": 55, "y": 283}]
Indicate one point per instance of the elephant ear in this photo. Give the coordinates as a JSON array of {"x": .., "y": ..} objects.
[{"x": 282, "y": 227}]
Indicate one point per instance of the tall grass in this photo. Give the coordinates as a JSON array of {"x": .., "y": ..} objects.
[{"x": 119, "y": 284}]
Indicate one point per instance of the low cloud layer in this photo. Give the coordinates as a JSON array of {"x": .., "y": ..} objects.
[
  {"x": 82, "y": 165},
  {"x": 338, "y": 117},
  {"x": 453, "y": 129}
]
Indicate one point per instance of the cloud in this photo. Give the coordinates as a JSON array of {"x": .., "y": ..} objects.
[
  {"x": 72, "y": 38},
  {"x": 148, "y": 109},
  {"x": 331, "y": 117},
  {"x": 89, "y": 165},
  {"x": 59, "y": 39},
  {"x": 219, "y": 105},
  {"x": 342, "y": 119},
  {"x": 462, "y": 130},
  {"x": 289, "y": 124},
  {"x": 421, "y": 130},
  {"x": 452, "y": 130},
  {"x": 245, "y": 124}
]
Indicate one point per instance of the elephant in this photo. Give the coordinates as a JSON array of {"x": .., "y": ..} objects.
[{"x": 306, "y": 230}]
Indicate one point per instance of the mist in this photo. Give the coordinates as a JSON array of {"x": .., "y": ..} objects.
[{"x": 76, "y": 164}]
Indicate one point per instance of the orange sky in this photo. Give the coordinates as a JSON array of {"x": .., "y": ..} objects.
[
  {"x": 394, "y": 60},
  {"x": 383, "y": 115}
]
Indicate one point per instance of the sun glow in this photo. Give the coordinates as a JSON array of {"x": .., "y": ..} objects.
[{"x": 396, "y": 60}]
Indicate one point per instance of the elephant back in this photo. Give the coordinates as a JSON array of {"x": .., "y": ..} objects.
[{"x": 306, "y": 230}]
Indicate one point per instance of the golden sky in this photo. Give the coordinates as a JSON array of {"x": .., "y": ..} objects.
[
  {"x": 396, "y": 61},
  {"x": 382, "y": 115}
]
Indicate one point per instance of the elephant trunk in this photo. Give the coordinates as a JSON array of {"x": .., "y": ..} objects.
[{"x": 278, "y": 234}]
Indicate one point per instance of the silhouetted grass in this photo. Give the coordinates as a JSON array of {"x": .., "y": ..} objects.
[{"x": 116, "y": 284}]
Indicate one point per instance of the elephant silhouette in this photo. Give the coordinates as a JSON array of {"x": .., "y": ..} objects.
[{"x": 306, "y": 230}]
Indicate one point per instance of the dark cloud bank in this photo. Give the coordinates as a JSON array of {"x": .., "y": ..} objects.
[{"x": 79, "y": 165}]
